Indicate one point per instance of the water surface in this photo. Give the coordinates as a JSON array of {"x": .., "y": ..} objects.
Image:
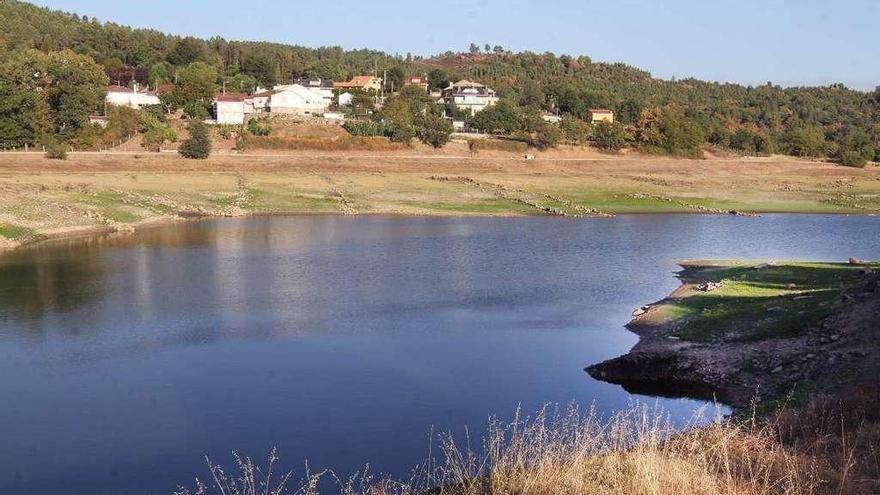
[{"x": 125, "y": 359}]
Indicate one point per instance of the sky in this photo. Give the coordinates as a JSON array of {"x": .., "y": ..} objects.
[{"x": 791, "y": 43}]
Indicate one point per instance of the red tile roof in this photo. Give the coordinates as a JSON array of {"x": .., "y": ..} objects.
[
  {"x": 118, "y": 89},
  {"x": 356, "y": 82},
  {"x": 231, "y": 97},
  {"x": 264, "y": 94}
]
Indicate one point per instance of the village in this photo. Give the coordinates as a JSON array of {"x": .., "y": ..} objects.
[{"x": 329, "y": 101}]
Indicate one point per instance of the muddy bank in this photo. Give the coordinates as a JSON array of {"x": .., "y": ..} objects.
[{"x": 818, "y": 351}]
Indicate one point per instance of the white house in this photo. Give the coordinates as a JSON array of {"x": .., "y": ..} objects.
[
  {"x": 130, "y": 97},
  {"x": 230, "y": 109},
  {"x": 260, "y": 101},
  {"x": 468, "y": 95},
  {"x": 295, "y": 99},
  {"x": 322, "y": 87},
  {"x": 345, "y": 99}
]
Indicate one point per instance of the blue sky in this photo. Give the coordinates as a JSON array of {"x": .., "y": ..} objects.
[{"x": 803, "y": 42}]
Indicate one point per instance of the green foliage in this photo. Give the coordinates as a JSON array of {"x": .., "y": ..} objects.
[
  {"x": 610, "y": 136},
  {"x": 505, "y": 117},
  {"x": 670, "y": 131},
  {"x": 156, "y": 131},
  {"x": 367, "y": 128},
  {"x": 785, "y": 118},
  {"x": 122, "y": 122},
  {"x": 402, "y": 133},
  {"x": 59, "y": 91},
  {"x": 857, "y": 142},
  {"x": 575, "y": 131},
  {"x": 433, "y": 129},
  {"x": 437, "y": 79},
  {"x": 187, "y": 51},
  {"x": 750, "y": 142},
  {"x": 198, "y": 146},
  {"x": 155, "y": 111},
  {"x": 394, "y": 79},
  {"x": 196, "y": 84},
  {"x": 241, "y": 83},
  {"x": 545, "y": 136},
  {"x": 806, "y": 142},
  {"x": 56, "y": 150},
  {"x": 20, "y": 121},
  {"x": 259, "y": 127},
  {"x": 853, "y": 159},
  {"x": 196, "y": 110}
]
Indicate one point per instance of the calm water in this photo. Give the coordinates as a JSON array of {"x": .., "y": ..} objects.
[{"x": 125, "y": 360}]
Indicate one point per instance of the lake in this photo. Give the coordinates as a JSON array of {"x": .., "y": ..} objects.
[{"x": 125, "y": 359}]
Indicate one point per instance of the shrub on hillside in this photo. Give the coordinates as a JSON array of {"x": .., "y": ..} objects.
[
  {"x": 56, "y": 150},
  {"x": 575, "y": 131},
  {"x": 853, "y": 159},
  {"x": 367, "y": 128},
  {"x": 609, "y": 136},
  {"x": 508, "y": 145},
  {"x": 196, "y": 111},
  {"x": 750, "y": 142},
  {"x": 259, "y": 128},
  {"x": 433, "y": 130},
  {"x": 198, "y": 146},
  {"x": 402, "y": 133},
  {"x": 546, "y": 136}
]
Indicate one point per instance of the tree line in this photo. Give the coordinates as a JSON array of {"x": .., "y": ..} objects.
[{"x": 72, "y": 56}]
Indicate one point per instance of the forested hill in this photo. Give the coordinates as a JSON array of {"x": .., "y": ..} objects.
[{"x": 814, "y": 121}]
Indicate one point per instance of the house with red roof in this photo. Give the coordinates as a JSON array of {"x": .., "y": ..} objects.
[
  {"x": 229, "y": 108},
  {"x": 365, "y": 83},
  {"x": 419, "y": 81}
]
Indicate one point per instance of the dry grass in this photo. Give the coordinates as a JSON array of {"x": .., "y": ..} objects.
[
  {"x": 506, "y": 145},
  {"x": 638, "y": 452},
  {"x": 345, "y": 143},
  {"x": 88, "y": 189}
]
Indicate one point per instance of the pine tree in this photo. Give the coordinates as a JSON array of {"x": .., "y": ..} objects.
[{"x": 198, "y": 146}]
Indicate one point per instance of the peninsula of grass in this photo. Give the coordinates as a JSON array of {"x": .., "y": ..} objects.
[{"x": 753, "y": 302}]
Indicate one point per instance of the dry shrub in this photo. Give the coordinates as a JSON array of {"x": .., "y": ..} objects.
[
  {"x": 347, "y": 143},
  {"x": 635, "y": 452},
  {"x": 507, "y": 145}
]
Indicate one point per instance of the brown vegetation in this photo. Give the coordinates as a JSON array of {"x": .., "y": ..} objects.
[{"x": 828, "y": 447}]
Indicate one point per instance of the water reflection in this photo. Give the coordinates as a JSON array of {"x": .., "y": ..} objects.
[{"x": 343, "y": 340}]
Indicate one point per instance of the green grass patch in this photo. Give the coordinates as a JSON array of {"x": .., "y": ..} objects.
[
  {"x": 486, "y": 206},
  {"x": 758, "y": 302},
  {"x": 10, "y": 231}
]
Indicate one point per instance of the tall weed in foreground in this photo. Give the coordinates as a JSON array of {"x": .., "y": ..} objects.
[{"x": 570, "y": 452}]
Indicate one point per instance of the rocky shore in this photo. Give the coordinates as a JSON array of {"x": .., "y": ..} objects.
[{"x": 816, "y": 334}]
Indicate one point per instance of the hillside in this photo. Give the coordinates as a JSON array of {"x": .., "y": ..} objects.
[{"x": 819, "y": 121}]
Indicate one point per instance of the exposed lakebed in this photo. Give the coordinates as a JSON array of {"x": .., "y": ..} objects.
[{"x": 125, "y": 359}]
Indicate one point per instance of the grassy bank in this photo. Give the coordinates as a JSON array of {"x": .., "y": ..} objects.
[
  {"x": 827, "y": 447},
  {"x": 116, "y": 191},
  {"x": 815, "y": 429}
]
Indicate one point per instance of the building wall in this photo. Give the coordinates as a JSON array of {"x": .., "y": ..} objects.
[
  {"x": 229, "y": 112},
  {"x": 298, "y": 101},
  {"x": 131, "y": 100},
  {"x": 603, "y": 117},
  {"x": 473, "y": 103}
]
